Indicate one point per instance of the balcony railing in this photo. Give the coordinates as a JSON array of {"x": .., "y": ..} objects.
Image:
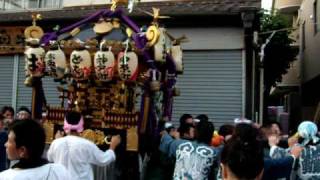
[
  {"x": 288, "y": 6},
  {"x": 23, "y": 5}
]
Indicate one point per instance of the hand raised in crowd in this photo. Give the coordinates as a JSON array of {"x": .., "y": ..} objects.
[
  {"x": 163, "y": 132},
  {"x": 59, "y": 134},
  {"x": 273, "y": 140},
  {"x": 256, "y": 125},
  {"x": 115, "y": 141},
  {"x": 227, "y": 137},
  {"x": 292, "y": 141},
  {"x": 296, "y": 151}
]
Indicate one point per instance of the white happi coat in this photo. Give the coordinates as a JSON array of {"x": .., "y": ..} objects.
[
  {"x": 77, "y": 155},
  {"x": 46, "y": 172}
]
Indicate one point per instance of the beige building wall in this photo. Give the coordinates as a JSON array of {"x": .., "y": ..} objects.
[
  {"x": 290, "y": 8},
  {"x": 287, "y": 5},
  {"x": 311, "y": 52},
  {"x": 293, "y": 77}
]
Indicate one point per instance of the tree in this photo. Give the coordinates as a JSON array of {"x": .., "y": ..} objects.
[{"x": 278, "y": 54}]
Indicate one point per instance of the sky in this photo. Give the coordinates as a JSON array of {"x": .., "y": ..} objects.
[{"x": 266, "y": 4}]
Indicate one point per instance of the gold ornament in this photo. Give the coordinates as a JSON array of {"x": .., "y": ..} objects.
[
  {"x": 153, "y": 34},
  {"x": 34, "y": 31}
]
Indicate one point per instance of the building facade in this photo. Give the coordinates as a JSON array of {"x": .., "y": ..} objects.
[
  {"x": 219, "y": 58},
  {"x": 303, "y": 76}
]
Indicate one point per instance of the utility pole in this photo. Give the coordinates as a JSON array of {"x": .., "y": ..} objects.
[
  {"x": 272, "y": 6},
  {"x": 262, "y": 54}
]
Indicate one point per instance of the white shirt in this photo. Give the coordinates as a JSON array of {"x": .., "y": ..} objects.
[
  {"x": 46, "y": 172},
  {"x": 77, "y": 154}
]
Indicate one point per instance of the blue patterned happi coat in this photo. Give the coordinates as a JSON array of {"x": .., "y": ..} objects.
[
  {"x": 307, "y": 166},
  {"x": 194, "y": 161}
]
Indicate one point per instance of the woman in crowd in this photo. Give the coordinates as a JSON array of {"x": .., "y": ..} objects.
[
  {"x": 8, "y": 115},
  {"x": 242, "y": 155},
  {"x": 25, "y": 143},
  {"x": 7, "y": 112}
]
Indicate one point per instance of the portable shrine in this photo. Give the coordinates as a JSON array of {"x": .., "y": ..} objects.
[{"x": 104, "y": 74}]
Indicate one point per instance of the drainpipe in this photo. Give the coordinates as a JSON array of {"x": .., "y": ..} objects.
[
  {"x": 248, "y": 16},
  {"x": 262, "y": 54}
]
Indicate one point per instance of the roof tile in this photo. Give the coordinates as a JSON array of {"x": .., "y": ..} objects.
[{"x": 171, "y": 8}]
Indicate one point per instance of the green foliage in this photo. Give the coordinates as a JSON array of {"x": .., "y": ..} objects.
[{"x": 278, "y": 53}]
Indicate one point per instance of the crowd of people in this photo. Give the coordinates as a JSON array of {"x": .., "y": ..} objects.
[
  {"x": 22, "y": 144},
  {"x": 247, "y": 151},
  {"x": 243, "y": 150}
]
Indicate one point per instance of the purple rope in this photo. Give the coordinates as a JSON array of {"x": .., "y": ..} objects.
[
  {"x": 171, "y": 70},
  {"x": 140, "y": 120},
  {"x": 48, "y": 37},
  {"x": 140, "y": 41},
  {"x": 129, "y": 22},
  {"x": 142, "y": 107},
  {"x": 152, "y": 122},
  {"x": 54, "y": 35},
  {"x": 168, "y": 103},
  {"x": 93, "y": 16}
]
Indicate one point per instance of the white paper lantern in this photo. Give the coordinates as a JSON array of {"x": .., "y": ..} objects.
[
  {"x": 80, "y": 62},
  {"x": 128, "y": 67},
  {"x": 176, "y": 53},
  {"x": 34, "y": 61},
  {"x": 104, "y": 62},
  {"x": 56, "y": 63}
]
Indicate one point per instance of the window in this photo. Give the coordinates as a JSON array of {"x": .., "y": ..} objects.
[
  {"x": 29, "y": 4},
  {"x": 50, "y": 3},
  {"x": 32, "y": 4},
  {"x": 18, "y": 5}
]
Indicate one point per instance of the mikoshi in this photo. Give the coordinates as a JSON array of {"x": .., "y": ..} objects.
[{"x": 120, "y": 76}]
